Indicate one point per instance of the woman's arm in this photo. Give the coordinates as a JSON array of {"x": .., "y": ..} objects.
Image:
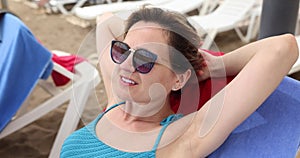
[
  {"x": 261, "y": 66},
  {"x": 109, "y": 27},
  {"x": 231, "y": 63}
]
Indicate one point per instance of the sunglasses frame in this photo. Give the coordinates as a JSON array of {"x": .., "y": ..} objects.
[{"x": 128, "y": 51}]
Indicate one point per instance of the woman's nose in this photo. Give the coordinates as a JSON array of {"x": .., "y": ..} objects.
[{"x": 127, "y": 64}]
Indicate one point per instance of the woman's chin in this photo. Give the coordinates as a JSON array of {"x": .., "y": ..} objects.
[{"x": 130, "y": 98}]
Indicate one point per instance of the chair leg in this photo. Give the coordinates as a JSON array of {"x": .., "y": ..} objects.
[
  {"x": 209, "y": 39},
  {"x": 71, "y": 117},
  {"x": 62, "y": 9},
  {"x": 4, "y": 4},
  {"x": 35, "y": 114},
  {"x": 81, "y": 90},
  {"x": 80, "y": 3},
  {"x": 252, "y": 29}
]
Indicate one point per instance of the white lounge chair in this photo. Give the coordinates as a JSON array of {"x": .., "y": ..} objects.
[
  {"x": 23, "y": 61},
  {"x": 226, "y": 17},
  {"x": 182, "y": 6},
  {"x": 59, "y": 5},
  {"x": 91, "y": 12}
]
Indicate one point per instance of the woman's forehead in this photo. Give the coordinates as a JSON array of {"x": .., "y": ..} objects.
[
  {"x": 147, "y": 32},
  {"x": 144, "y": 24},
  {"x": 150, "y": 36}
]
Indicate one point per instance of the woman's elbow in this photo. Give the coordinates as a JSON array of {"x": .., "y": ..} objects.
[{"x": 287, "y": 48}]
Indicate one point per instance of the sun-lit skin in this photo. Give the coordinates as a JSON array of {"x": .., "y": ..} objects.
[
  {"x": 234, "y": 103},
  {"x": 151, "y": 40},
  {"x": 133, "y": 87}
]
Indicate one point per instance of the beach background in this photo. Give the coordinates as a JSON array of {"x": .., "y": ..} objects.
[{"x": 56, "y": 32}]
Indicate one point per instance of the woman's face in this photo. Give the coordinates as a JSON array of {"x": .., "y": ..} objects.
[{"x": 131, "y": 85}]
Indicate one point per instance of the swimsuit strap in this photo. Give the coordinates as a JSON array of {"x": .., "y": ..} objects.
[
  {"x": 93, "y": 124},
  {"x": 107, "y": 110},
  {"x": 165, "y": 123},
  {"x": 101, "y": 114},
  {"x": 113, "y": 107}
]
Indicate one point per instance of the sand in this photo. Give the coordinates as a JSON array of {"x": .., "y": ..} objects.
[{"x": 56, "y": 33}]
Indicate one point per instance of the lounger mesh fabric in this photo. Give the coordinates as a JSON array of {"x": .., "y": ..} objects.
[{"x": 272, "y": 131}]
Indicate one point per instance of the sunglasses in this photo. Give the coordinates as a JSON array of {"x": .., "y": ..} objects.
[{"x": 142, "y": 60}]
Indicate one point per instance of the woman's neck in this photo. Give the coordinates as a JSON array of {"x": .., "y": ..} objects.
[{"x": 139, "y": 118}]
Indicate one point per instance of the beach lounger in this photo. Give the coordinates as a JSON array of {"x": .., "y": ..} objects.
[
  {"x": 182, "y": 7},
  {"x": 59, "y": 5},
  {"x": 273, "y": 130},
  {"x": 23, "y": 62},
  {"x": 91, "y": 12},
  {"x": 226, "y": 17}
]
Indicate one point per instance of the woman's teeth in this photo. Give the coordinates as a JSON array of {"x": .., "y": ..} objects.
[{"x": 126, "y": 80}]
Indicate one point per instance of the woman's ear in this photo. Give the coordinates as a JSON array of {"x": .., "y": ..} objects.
[{"x": 181, "y": 80}]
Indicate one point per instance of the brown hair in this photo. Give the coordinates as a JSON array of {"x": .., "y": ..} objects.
[{"x": 182, "y": 36}]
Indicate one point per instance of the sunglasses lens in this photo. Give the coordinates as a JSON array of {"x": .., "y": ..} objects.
[
  {"x": 143, "y": 60},
  {"x": 119, "y": 52}
]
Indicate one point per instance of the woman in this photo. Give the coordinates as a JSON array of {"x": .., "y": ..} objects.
[{"x": 149, "y": 64}]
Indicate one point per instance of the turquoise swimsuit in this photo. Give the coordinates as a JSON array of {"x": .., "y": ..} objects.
[{"x": 84, "y": 143}]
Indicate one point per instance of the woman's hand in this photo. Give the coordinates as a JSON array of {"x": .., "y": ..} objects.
[{"x": 212, "y": 66}]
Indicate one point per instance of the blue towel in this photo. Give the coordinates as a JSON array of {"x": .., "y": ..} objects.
[
  {"x": 273, "y": 131},
  {"x": 23, "y": 60}
]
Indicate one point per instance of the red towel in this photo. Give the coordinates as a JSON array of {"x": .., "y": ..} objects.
[
  {"x": 68, "y": 62},
  {"x": 205, "y": 90}
]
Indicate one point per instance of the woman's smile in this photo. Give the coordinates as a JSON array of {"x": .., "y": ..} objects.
[{"x": 127, "y": 81}]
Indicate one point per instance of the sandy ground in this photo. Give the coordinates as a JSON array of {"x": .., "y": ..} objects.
[{"x": 55, "y": 33}]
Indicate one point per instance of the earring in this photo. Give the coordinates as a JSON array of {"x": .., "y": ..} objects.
[{"x": 176, "y": 87}]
